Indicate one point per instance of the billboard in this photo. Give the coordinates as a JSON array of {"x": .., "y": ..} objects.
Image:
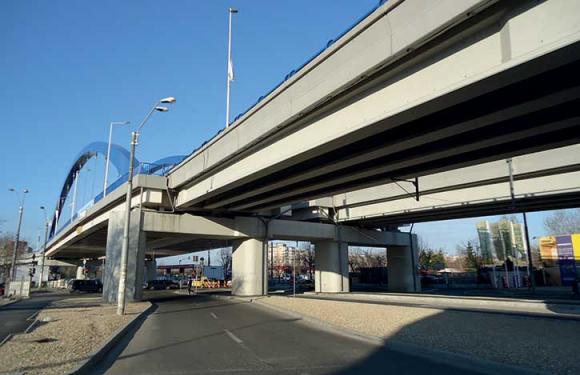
[
  {"x": 566, "y": 260},
  {"x": 576, "y": 246},
  {"x": 563, "y": 251},
  {"x": 548, "y": 249}
]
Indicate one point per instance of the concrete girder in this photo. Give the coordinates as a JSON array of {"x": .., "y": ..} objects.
[
  {"x": 251, "y": 227},
  {"x": 549, "y": 173},
  {"x": 545, "y": 163},
  {"x": 382, "y": 38},
  {"x": 96, "y": 217},
  {"x": 487, "y": 57},
  {"x": 422, "y": 139},
  {"x": 411, "y": 162}
]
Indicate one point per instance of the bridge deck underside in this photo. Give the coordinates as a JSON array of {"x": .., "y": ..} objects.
[
  {"x": 536, "y": 113},
  {"x": 158, "y": 244}
]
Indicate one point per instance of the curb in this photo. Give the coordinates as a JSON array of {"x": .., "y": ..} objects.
[
  {"x": 10, "y": 303},
  {"x": 86, "y": 365},
  {"x": 463, "y": 361}
]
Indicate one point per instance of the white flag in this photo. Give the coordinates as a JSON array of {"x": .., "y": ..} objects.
[{"x": 230, "y": 70}]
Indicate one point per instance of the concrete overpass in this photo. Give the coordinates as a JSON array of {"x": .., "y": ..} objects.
[
  {"x": 429, "y": 91},
  {"x": 546, "y": 179},
  {"x": 410, "y": 91}
]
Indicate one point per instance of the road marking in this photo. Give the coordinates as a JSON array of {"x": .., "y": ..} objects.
[
  {"x": 32, "y": 316},
  {"x": 213, "y": 315},
  {"x": 6, "y": 339},
  {"x": 29, "y": 329},
  {"x": 233, "y": 337}
]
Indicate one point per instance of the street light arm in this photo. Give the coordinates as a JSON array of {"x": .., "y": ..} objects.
[{"x": 147, "y": 117}]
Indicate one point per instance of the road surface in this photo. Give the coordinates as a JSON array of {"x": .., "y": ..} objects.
[
  {"x": 16, "y": 317},
  {"x": 202, "y": 334}
]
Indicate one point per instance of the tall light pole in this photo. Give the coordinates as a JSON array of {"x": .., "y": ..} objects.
[
  {"x": 43, "y": 247},
  {"x": 125, "y": 248},
  {"x": 17, "y": 239},
  {"x": 230, "y": 65},
  {"x": 106, "y": 182}
]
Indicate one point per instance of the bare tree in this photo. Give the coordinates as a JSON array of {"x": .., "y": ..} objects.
[
  {"x": 307, "y": 261},
  {"x": 226, "y": 261},
  {"x": 563, "y": 222}
]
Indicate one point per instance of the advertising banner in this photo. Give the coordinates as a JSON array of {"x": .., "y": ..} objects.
[
  {"x": 548, "y": 249},
  {"x": 566, "y": 260},
  {"x": 576, "y": 246}
]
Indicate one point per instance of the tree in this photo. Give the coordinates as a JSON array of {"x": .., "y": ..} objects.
[
  {"x": 365, "y": 258},
  {"x": 563, "y": 222},
  {"x": 226, "y": 261},
  {"x": 430, "y": 259},
  {"x": 307, "y": 261},
  {"x": 469, "y": 256}
]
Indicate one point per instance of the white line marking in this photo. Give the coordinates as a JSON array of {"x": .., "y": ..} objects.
[
  {"x": 6, "y": 339},
  {"x": 213, "y": 315},
  {"x": 233, "y": 337},
  {"x": 30, "y": 326},
  {"x": 33, "y": 315}
]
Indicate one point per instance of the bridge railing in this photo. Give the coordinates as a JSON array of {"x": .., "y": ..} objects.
[
  {"x": 150, "y": 169},
  {"x": 290, "y": 74}
]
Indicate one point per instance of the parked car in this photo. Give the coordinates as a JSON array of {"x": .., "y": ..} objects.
[
  {"x": 91, "y": 286},
  {"x": 162, "y": 284}
]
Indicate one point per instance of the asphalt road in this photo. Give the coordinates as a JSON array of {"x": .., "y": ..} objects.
[
  {"x": 202, "y": 334},
  {"x": 16, "y": 317}
]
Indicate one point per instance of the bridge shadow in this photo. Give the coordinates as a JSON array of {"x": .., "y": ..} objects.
[{"x": 465, "y": 342}]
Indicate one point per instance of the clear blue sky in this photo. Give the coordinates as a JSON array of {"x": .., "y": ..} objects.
[{"x": 68, "y": 68}]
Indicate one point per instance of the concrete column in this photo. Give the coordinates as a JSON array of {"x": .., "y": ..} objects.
[
  {"x": 402, "y": 267},
  {"x": 249, "y": 271},
  {"x": 331, "y": 259},
  {"x": 80, "y": 273},
  {"x": 150, "y": 270},
  {"x": 135, "y": 260}
]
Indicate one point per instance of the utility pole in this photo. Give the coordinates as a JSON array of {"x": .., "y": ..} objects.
[
  {"x": 530, "y": 263},
  {"x": 43, "y": 247},
  {"x": 125, "y": 246},
  {"x": 230, "y": 66},
  {"x": 17, "y": 238}
]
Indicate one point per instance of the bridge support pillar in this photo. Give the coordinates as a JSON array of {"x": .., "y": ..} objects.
[
  {"x": 331, "y": 274},
  {"x": 150, "y": 270},
  {"x": 402, "y": 267},
  {"x": 249, "y": 271},
  {"x": 135, "y": 257}
]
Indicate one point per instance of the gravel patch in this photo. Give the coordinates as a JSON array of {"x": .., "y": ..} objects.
[
  {"x": 65, "y": 333},
  {"x": 547, "y": 344}
]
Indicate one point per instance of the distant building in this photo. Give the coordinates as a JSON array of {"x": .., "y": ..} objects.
[
  {"x": 500, "y": 240},
  {"x": 486, "y": 244}
]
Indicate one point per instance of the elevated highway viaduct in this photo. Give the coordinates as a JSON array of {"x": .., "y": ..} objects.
[{"x": 432, "y": 91}]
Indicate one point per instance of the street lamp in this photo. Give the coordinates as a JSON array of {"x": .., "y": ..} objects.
[
  {"x": 17, "y": 239},
  {"x": 44, "y": 246},
  {"x": 125, "y": 248},
  {"x": 106, "y": 183}
]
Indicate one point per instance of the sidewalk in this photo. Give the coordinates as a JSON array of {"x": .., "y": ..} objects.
[{"x": 564, "y": 309}]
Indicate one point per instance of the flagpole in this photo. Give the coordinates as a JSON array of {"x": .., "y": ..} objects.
[{"x": 230, "y": 66}]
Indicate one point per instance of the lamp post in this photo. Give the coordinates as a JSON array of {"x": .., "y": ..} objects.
[
  {"x": 125, "y": 248},
  {"x": 231, "y": 11},
  {"x": 106, "y": 183},
  {"x": 43, "y": 247},
  {"x": 17, "y": 239}
]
